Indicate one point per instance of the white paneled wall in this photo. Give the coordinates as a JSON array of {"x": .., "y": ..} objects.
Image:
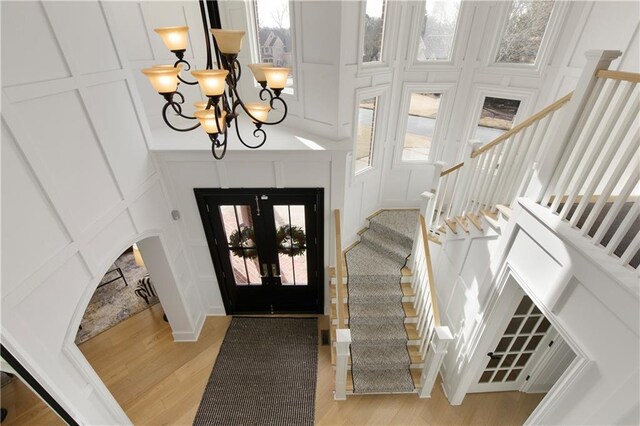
[
  {"x": 78, "y": 187},
  {"x": 609, "y": 25},
  {"x": 183, "y": 171}
]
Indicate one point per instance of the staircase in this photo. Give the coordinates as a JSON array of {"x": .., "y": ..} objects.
[{"x": 379, "y": 303}]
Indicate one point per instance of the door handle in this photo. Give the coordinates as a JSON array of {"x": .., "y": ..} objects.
[
  {"x": 274, "y": 271},
  {"x": 492, "y": 356},
  {"x": 265, "y": 271}
]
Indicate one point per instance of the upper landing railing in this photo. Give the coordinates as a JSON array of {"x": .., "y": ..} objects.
[{"x": 588, "y": 177}]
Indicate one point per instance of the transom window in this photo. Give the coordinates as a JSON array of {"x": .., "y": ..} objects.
[
  {"x": 421, "y": 124},
  {"x": 273, "y": 26},
  {"x": 524, "y": 32},
  {"x": 496, "y": 117},
  {"x": 374, "y": 19},
  {"x": 438, "y": 30},
  {"x": 366, "y": 133}
]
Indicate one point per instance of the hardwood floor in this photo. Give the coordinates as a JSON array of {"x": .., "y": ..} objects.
[
  {"x": 159, "y": 382},
  {"x": 25, "y": 408}
]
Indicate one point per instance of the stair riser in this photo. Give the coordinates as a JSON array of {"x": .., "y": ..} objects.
[
  {"x": 391, "y": 234},
  {"x": 404, "y": 299},
  {"x": 406, "y": 279},
  {"x": 407, "y": 320},
  {"x": 384, "y": 249}
]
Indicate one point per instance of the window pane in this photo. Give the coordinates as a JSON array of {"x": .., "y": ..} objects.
[
  {"x": 496, "y": 118},
  {"x": 366, "y": 133},
  {"x": 373, "y": 30},
  {"x": 421, "y": 123},
  {"x": 438, "y": 28},
  {"x": 274, "y": 34},
  {"x": 525, "y": 30}
]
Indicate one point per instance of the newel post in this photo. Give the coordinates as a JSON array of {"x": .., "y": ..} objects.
[
  {"x": 435, "y": 356},
  {"x": 343, "y": 342},
  {"x": 557, "y": 148}
]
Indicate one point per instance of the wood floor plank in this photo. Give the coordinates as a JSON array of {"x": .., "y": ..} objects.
[{"x": 163, "y": 382}]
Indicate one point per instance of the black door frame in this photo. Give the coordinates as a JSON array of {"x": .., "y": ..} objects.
[{"x": 202, "y": 193}]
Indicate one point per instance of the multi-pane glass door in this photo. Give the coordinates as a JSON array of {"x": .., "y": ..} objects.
[
  {"x": 264, "y": 247},
  {"x": 509, "y": 363}
]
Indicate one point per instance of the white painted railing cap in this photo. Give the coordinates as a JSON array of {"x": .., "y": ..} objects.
[
  {"x": 608, "y": 55},
  {"x": 444, "y": 333},
  {"x": 428, "y": 195},
  {"x": 343, "y": 335}
]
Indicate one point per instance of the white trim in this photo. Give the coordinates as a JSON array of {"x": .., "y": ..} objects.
[
  {"x": 379, "y": 127},
  {"x": 526, "y": 97},
  {"x": 458, "y": 45},
  {"x": 545, "y": 51},
  {"x": 448, "y": 91},
  {"x": 389, "y": 39}
]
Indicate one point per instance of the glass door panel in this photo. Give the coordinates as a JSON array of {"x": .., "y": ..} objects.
[
  {"x": 289, "y": 221},
  {"x": 521, "y": 339},
  {"x": 264, "y": 246},
  {"x": 240, "y": 239}
]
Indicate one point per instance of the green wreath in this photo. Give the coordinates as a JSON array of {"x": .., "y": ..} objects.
[
  {"x": 239, "y": 241},
  {"x": 291, "y": 240}
]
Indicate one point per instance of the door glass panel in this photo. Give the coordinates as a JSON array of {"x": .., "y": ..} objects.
[
  {"x": 421, "y": 125},
  {"x": 499, "y": 375},
  {"x": 530, "y": 324},
  {"x": 243, "y": 254},
  {"x": 291, "y": 243},
  {"x": 517, "y": 346},
  {"x": 513, "y": 375},
  {"x": 486, "y": 376},
  {"x": 508, "y": 360}
]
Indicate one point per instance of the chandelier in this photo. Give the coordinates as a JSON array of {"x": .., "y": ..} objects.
[{"x": 219, "y": 85}]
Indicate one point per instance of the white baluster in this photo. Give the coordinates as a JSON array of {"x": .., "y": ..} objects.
[
  {"x": 437, "y": 350},
  {"x": 525, "y": 172},
  {"x": 631, "y": 250},
  {"x": 610, "y": 149},
  {"x": 343, "y": 342},
  {"x": 624, "y": 227},
  {"x": 560, "y": 147},
  {"x": 509, "y": 165},
  {"x": 462, "y": 187},
  {"x": 632, "y": 181}
]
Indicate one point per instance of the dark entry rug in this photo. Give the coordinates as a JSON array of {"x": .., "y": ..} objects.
[{"x": 265, "y": 374}]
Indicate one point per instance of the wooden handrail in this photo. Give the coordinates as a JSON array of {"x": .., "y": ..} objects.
[
  {"x": 526, "y": 123},
  {"x": 619, "y": 75},
  {"x": 452, "y": 169},
  {"x": 339, "y": 270},
  {"x": 432, "y": 284}
]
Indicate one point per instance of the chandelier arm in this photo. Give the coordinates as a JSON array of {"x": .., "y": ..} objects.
[
  {"x": 176, "y": 106},
  {"x": 239, "y": 102},
  {"x": 187, "y": 68},
  {"x": 177, "y": 129},
  {"x": 239, "y": 68},
  {"x": 263, "y": 90},
  {"x": 256, "y": 132},
  {"x": 215, "y": 143}
]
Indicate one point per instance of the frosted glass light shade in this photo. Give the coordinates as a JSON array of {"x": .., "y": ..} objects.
[
  {"x": 200, "y": 105},
  {"x": 212, "y": 82},
  {"x": 229, "y": 41},
  {"x": 207, "y": 118},
  {"x": 258, "y": 72},
  {"x": 258, "y": 110},
  {"x": 276, "y": 77},
  {"x": 175, "y": 38},
  {"x": 163, "y": 80},
  {"x": 167, "y": 67}
]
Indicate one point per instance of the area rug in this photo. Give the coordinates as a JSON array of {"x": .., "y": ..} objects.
[
  {"x": 265, "y": 374},
  {"x": 115, "y": 301},
  {"x": 380, "y": 361}
]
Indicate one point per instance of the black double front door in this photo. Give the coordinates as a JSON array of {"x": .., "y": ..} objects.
[{"x": 265, "y": 248}]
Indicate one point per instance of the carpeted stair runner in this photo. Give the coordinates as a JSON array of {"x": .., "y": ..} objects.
[{"x": 379, "y": 358}]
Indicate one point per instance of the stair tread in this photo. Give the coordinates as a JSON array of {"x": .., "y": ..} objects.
[
  {"x": 384, "y": 245},
  {"x": 462, "y": 221},
  {"x": 475, "y": 220},
  {"x": 451, "y": 224},
  {"x": 505, "y": 210}
]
